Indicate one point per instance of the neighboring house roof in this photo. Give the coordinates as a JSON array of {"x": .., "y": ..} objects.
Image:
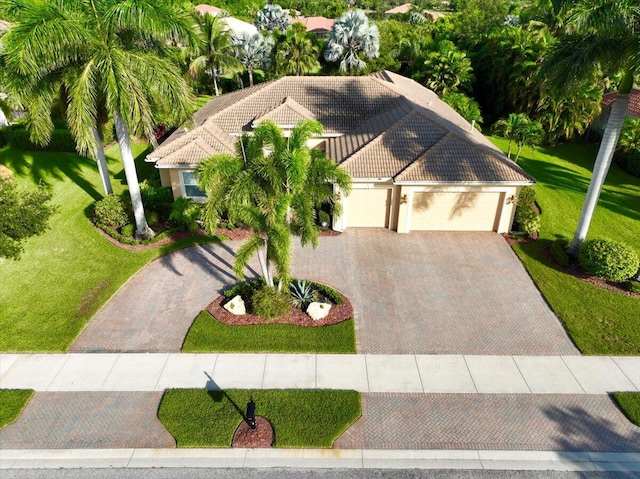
[
  {"x": 400, "y": 9},
  {"x": 634, "y": 101},
  {"x": 433, "y": 14},
  {"x": 236, "y": 26},
  {"x": 316, "y": 24},
  {"x": 378, "y": 127}
]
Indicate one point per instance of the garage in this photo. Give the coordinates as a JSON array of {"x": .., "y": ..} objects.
[
  {"x": 455, "y": 211},
  {"x": 369, "y": 207}
]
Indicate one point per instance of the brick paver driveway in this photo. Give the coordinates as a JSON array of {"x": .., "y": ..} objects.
[{"x": 424, "y": 293}]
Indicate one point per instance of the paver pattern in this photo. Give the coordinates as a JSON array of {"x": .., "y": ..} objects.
[
  {"x": 552, "y": 422},
  {"x": 98, "y": 420},
  {"x": 421, "y": 293}
]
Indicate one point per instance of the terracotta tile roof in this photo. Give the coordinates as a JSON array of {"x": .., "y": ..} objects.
[
  {"x": 210, "y": 9},
  {"x": 453, "y": 160},
  {"x": 404, "y": 8},
  {"x": 208, "y": 140},
  {"x": 634, "y": 101},
  {"x": 379, "y": 126},
  {"x": 287, "y": 115},
  {"x": 316, "y": 24}
]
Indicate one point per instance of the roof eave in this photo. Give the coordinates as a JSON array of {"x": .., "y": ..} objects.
[{"x": 466, "y": 183}]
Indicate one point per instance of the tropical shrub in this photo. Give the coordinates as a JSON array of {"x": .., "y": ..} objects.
[
  {"x": 527, "y": 196},
  {"x": 303, "y": 293},
  {"x": 186, "y": 212},
  {"x": 324, "y": 217},
  {"x": 19, "y": 137},
  {"x": 110, "y": 211},
  {"x": 559, "y": 251},
  {"x": 156, "y": 197},
  {"x": 269, "y": 303},
  {"x": 529, "y": 220},
  {"x": 329, "y": 293},
  {"x": 633, "y": 286},
  {"x": 609, "y": 260},
  {"x": 152, "y": 217},
  {"x": 244, "y": 289},
  {"x": 629, "y": 161},
  {"x": 128, "y": 230}
]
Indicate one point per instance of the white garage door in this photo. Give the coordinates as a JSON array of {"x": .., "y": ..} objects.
[
  {"x": 368, "y": 208},
  {"x": 468, "y": 211}
]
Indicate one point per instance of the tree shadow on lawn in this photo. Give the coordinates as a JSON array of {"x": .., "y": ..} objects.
[
  {"x": 562, "y": 178},
  {"x": 47, "y": 167}
]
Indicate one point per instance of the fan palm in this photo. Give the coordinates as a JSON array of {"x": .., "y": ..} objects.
[
  {"x": 599, "y": 35},
  {"x": 253, "y": 51},
  {"x": 272, "y": 17},
  {"x": 352, "y": 36},
  {"x": 214, "y": 55},
  {"x": 106, "y": 53},
  {"x": 273, "y": 185}
]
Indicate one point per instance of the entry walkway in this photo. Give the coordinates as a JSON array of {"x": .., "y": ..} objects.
[{"x": 365, "y": 373}]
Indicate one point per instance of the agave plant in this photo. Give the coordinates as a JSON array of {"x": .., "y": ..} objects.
[{"x": 303, "y": 293}]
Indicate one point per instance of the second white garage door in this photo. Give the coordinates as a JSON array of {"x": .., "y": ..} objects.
[
  {"x": 369, "y": 207},
  {"x": 445, "y": 211}
]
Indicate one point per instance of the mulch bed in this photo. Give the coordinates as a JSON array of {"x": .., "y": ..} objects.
[
  {"x": 573, "y": 269},
  {"x": 260, "y": 437},
  {"x": 237, "y": 234},
  {"x": 337, "y": 314},
  {"x": 139, "y": 247}
]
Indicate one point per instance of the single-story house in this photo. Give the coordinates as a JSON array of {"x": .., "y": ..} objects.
[
  {"x": 400, "y": 9},
  {"x": 415, "y": 163},
  {"x": 633, "y": 110},
  {"x": 321, "y": 26},
  {"x": 237, "y": 26}
]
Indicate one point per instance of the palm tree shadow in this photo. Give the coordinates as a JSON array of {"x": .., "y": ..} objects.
[
  {"x": 48, "y": 167},
  {"x": 579, "y": 430}
]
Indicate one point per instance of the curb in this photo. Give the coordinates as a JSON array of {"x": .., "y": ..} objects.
[{"x": 320, "y": 458}]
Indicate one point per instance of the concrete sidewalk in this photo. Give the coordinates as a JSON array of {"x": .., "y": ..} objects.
[
  {"x": 320, "y": 458},
  {"x": 364, "y": 373}
]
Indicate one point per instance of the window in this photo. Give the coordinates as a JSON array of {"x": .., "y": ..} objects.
[{"x": 191, "y": 189}]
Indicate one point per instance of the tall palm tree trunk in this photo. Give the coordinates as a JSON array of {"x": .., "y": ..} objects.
[
  {"x": 142, "y": 228},
  {"x": 101, "y": 160},
  {"x": 264, "y": 265},
  {"x": 600, "y": 168}
]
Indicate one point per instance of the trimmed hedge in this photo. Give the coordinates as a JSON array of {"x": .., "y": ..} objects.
[
  {"x": 269, "y": 303},
  {"x": 629, "y": 162},
  {"x": 527, "y": 215},
  {"x": 609, "y": 260},
  {"x": 110, "y": 211}
]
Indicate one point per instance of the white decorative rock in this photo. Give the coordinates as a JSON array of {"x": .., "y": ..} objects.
[
  {"x": 236, "y": 306},
  {"x": 318, "y": 310}
]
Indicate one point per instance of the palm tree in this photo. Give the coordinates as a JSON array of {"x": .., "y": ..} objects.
[
  {"x": 530, "y": 133},
  {"x": 273, "y": 185},
  {"x": 511, "y": 127},
  {"x": 214, "y": 55},
  {"x": 272, "y": 17},
  {"x": 253, "y": 52},
  {"x": 599, "y": 34},
  {"x": 106, "y": 53},
  {"x": 296, "y": 53},
  {"x": 351, "y": 37}
]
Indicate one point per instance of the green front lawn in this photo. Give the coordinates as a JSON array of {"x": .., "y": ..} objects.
[
  {"x": 208, "y": 334},
  {"x": 12, "y": 402},
  {"x": 300, "y": 418},
  {"x": 66, "y": 274},
  {"x": 598, "y": 321},
  {"x": 630, "y": 405}
]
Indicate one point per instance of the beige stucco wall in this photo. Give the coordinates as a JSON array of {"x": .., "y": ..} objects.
[{"x": 494, "y": 211}]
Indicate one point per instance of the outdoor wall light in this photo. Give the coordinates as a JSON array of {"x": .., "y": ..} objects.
[
  {"x": 404, "y": 199},
  {"x": 511, "y": 199}
]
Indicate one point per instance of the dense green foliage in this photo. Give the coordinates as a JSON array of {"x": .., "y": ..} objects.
[
  {"x": 19, "y": 137},
  {"x": 23, "y": 214},
  {"x": 300, "y": 418},
  {"x": 12, "y": 402},
  {"x": 110, "y": 211},
  {"x": 186, "y": 212},
  {"x": 610, "y": 260},
  {"x": 210, "y": 335},
  {"x": 269, "y": 303},
  {"x": 559, "y": 251}
]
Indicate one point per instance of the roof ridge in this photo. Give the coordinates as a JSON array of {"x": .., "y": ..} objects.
[
  {"x": 378, "y": 138},
  {"x": 414, "y": 164}
]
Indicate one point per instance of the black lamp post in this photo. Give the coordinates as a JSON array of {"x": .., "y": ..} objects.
[{"x": 251, "y": 413}]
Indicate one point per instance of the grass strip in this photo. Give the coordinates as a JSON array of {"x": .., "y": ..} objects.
[
  {"x": 207, "y": 334},
  {"x": 12, "y": 402},
  {"x": 630, "y": 405},
  {"x": 300, "y": 418}
]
